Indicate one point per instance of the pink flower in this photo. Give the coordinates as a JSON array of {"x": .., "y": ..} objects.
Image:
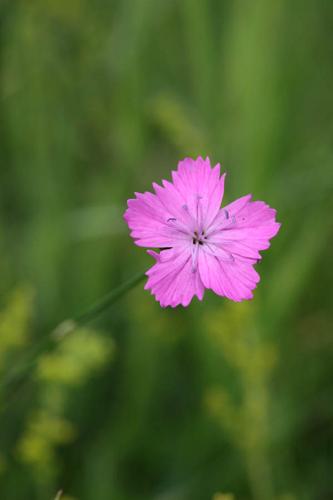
[{"x": 202, "y": 245}]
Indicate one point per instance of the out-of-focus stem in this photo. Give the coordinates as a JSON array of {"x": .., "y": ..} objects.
[{"x": 68, "y": 326}]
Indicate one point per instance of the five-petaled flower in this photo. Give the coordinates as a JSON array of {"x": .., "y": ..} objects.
[{"x": 201, "y": 244}]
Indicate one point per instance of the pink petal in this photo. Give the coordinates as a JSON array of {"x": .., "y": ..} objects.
[
  {"x": 252, "y": 225},
  {"x": 148, "y": 219},
  {"x": 201, "y": 187},
  {"x": 237, "y": 205},
  {"x": 171, "y": 280},
  {"x": 234, "y": 280}
]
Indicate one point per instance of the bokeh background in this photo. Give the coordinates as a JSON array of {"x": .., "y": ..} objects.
[{"x": 98, "y": 99}]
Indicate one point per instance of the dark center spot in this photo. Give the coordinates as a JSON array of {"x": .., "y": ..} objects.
[{"x": 198, "y": 239}]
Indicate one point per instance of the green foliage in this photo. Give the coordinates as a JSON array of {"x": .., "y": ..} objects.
[
  {"x": 98, "y": 99},
  {"x": 59, "y": 374},
  {"x": 15, "y": 320},
  {"x": 253, "y": 360}
]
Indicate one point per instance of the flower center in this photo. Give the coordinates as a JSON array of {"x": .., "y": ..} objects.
[{"x": 199, "y": 238}]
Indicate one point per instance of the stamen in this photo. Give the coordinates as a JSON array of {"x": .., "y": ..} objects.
[
  {"x": 195, "y": 250},
  {"x": 177, "y": 225},
  {"x": 226, "y": 223},
  {"x": 209, "y": 247},
  {"x": 186, "y": 221},
  {"x": 228, "y": 258},
  {"x": 199, "y": 212}
]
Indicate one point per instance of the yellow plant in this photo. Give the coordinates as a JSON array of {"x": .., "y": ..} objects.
[
  {"x": 14, "y": 323},
  {"x": 223, "y": 496},
  {"x": 74, "y": 359},
  {"x": 236, "y": 334}
]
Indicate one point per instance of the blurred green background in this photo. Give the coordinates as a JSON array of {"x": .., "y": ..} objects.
[{"x": 99, "y": 98}]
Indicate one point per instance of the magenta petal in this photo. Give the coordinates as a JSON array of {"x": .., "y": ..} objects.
[
  {"x": 234, "y": 280},
  {"x": 252, "y": 225},
  {"x": 148, "y": 219},
  {"x": 237, "y": 205},
  {"x": 172, "y": 281},
  {"x": 201, "y": 187}
]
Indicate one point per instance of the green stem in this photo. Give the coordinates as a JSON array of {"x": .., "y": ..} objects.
[
  {"x": 109, "y": 299},
  {"x": 97, "y": 308},
  {"x": 68, "y": 326}
]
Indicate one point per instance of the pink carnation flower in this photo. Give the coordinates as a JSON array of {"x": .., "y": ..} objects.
[{"x": 201, "y": 244}]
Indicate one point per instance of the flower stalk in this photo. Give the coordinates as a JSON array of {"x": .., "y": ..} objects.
[{"x": 68, "y": 326}]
